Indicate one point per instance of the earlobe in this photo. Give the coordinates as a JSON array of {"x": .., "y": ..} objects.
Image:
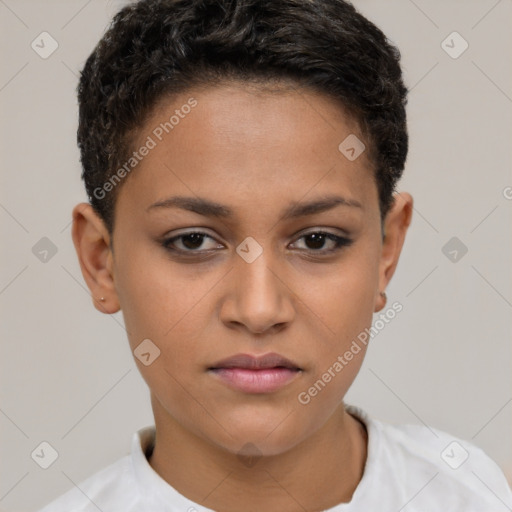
[
  {"x": 397, "y": 222},
  {"x": 92, "y": 244}
]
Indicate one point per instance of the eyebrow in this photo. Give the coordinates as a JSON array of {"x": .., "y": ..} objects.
[{"x": 209, "y": 208}]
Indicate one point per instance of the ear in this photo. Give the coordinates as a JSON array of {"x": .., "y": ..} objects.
[
  {"x": 395, "y": 228},
  {"x": 92, "y": 244}
]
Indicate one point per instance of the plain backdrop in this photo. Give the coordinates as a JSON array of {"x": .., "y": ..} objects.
[{"x": 67, "y": 374}]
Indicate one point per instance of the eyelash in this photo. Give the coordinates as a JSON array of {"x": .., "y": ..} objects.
[{"x": 339, "y": 241}]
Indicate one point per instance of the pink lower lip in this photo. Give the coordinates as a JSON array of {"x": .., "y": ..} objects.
[{"x": 256, "y": 381}]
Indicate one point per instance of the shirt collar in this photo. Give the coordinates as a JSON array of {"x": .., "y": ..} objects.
[
  {"x": 161, "y": 494},
  {"x": 156, "y": 491}
]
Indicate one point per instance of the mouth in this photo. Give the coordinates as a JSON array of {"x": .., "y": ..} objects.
[{"x": 256, "y": 374}]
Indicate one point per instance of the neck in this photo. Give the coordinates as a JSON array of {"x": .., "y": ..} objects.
[{"x": 316, "y": 474}]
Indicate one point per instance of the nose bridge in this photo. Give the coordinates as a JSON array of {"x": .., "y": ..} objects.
[
  {"x": 260, "y": 299},
  {"x": 256, "y": 278}
]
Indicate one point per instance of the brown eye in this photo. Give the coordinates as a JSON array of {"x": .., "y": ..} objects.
[
  {"x": 323, "y": 242},
  {"x": 193, "y": 242},
  {"x": 315, "y": 240}
]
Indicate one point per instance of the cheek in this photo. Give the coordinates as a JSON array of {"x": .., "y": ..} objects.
[
  {"x": 343, "y": 296},
  {"x": 166, "y": 305},
  {"x": 157, "y": 297},
  {"x": 343, "y": 301},
  {"x": 324, "y": 389}
]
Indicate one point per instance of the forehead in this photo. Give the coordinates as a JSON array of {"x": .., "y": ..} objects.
[{"x": 235, "y": 142}]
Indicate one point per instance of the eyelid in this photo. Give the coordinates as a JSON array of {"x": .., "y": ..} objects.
[
  {"x": 341, "y": 241},
  {"x": 167, "y": 240},
  {"x": 324, "y": 229},
  {"x": 204, "y": 231}
]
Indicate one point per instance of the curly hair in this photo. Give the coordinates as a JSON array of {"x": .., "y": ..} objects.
[{"x": 156, "y": 48}]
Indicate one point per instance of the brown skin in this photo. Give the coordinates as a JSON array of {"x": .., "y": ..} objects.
[{"x": 256, "y": 152}]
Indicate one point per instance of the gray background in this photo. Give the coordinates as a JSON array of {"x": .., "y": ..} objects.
[{"x": 67, "y": 375}]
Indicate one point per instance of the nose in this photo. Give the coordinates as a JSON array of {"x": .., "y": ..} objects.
[{"x": 259, "y": 299}]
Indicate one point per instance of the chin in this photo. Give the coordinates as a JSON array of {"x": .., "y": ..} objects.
[{"x": 259, "y": 434}]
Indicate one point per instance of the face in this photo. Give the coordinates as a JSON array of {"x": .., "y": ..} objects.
[{"x": 245, "y": 230}]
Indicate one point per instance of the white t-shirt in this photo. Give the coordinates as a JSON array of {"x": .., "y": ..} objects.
[{"x": 409, "y": 467}]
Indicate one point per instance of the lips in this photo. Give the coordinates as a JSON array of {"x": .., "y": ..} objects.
[
  {"x": 249, "y": 362},
  {"x": 255, "y": 374}
]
